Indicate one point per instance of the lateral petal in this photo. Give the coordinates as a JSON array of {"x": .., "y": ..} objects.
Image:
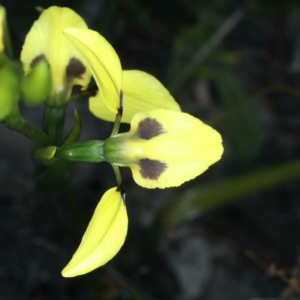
[
  {"x": 103, "y": 62},
  {"x": 104, "y": 236},
  {"x": 141, "y": 92}
]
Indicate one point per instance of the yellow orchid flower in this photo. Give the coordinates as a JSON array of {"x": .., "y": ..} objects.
[
  {"x": 163, "y": 148},
  {"x": 141, "y": 91},
  {"x": 46, "y": 40}
]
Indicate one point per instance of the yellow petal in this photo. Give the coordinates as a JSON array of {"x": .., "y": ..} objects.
[
  {"x": 103, "y": 238},
  {"x": 46, "y": 40},
  {"x": 141, "y": 92},
  {"x": 165, "y": 148},
  {"x": 103, "y": 62}
]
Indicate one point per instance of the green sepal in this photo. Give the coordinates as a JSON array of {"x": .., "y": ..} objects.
[
  {"x": 10, "y": 75},
  {"x": 75, "y": 132},
  {"x": 57, "y": 176},
  {"x": 54, "y": 120},
  {"x": 84, "y": 151},
  {"x": 44, "y": 156},
  {"x": 6, "y": 35},
  {"x": 35, "y": 87}
]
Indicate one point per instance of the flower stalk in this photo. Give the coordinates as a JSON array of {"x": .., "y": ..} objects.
[
  {"x": 84, "y": 151},
  {"x": 54, "y": 120},
  {"x": 15, "y": 122}
]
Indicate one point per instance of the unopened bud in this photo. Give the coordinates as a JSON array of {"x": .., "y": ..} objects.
[
  {"x": 35, "y": 86},
  {"x": 10, "y": 75}
]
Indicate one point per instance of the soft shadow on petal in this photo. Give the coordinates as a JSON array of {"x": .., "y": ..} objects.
[
  {"x": 46, "y": 40},
  {"x": 104, "y": 236},
  {"x": 103, "y": 62},
  {"x": 141, "y": 92},
  {"x": 180, "y": 148}
]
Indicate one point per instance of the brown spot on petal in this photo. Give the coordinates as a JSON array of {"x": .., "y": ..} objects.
[
  {"x": 149, "y": 128},
  {"x": 36, "y": 60},
  {"x": 75, "y": 68},
  {"x": 151, "y": 169}
]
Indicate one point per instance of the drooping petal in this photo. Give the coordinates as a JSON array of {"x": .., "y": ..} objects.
[
  {"x": 165, "y": 148},
  {"x": 141, "y": 92},
  {"x": 103, "y": 62},
  {"x": 104, "y": 236},
  {"x": 46, "y": 40}
]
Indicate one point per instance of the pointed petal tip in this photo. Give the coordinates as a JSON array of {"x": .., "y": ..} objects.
[
  {"x": 67, "y": 274},
  {"x": 103, "y": 238}
]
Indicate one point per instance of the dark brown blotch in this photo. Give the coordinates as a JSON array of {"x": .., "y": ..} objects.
[
  {"x": 75, "y": 68},
  {"x": 37, "y": 59},
  {"x": 149, "y": 128},
  {"x": 151, "y": 169}
]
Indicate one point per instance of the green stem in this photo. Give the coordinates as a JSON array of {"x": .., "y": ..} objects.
[
  {"x": 84, "y": 151},
  {"x": 121, "y": 186},
  {"x": 117, "y": 123},
  {"x": 59, "y": 217},
  {"x": 198, "y": 201},
  {"x": 17, "y": 123},
  {"x": 118, "y": 117},
  {"x": 75, "y": 210},
  {"x": 54, "y": 120},
  {"x": 117, "y": 173}
]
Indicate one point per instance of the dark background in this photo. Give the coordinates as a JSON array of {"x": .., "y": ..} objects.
[{"x": 240, "y": 238}]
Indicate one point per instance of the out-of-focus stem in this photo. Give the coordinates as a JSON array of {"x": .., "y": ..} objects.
[{"x": 15, "y": 122}]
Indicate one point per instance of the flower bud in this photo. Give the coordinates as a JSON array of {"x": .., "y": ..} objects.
[
  {"x": 36, "y": 85},
  {"x": 44, "y": 156},
  {"x": 9, "y": 86}
]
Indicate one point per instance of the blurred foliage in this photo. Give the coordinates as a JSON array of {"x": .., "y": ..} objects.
[
  {"x": 196, "y": 202},
  {"x": 242, "y": 126}
]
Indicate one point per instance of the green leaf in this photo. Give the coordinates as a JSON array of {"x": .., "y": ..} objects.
[
  {"x": 54, "y": 120},
  {"x": 196, "y": 202},
  {"x": 242, "y": 126},
  {"x": 74, "y": 134}
]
